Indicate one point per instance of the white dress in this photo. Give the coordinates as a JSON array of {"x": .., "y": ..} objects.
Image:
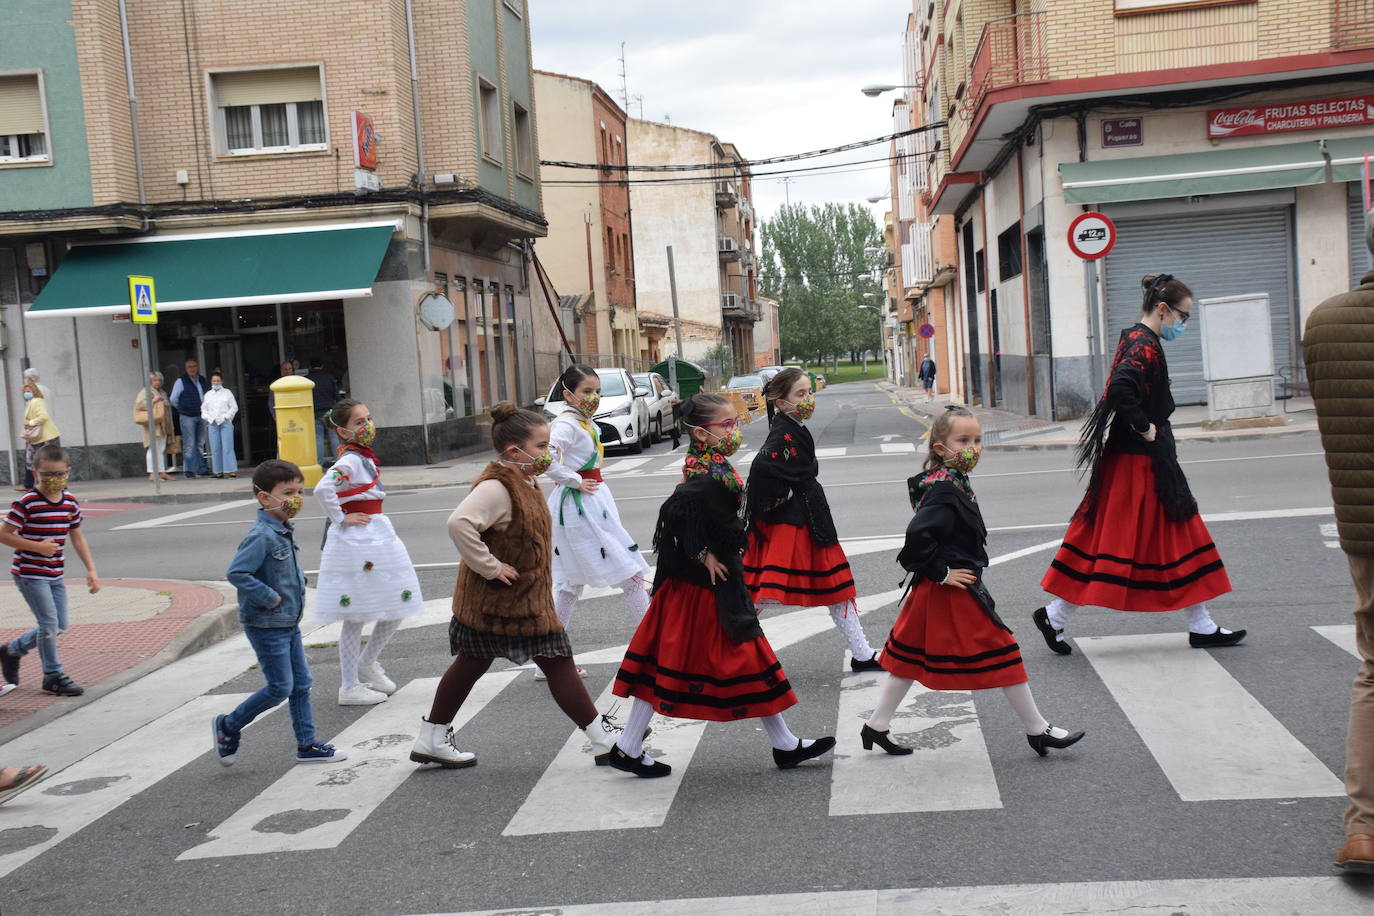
[
  {"x": 590, "y": 545},
  {"x": 365, "y": 571}
]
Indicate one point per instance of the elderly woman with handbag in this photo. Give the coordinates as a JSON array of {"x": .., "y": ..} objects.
[
  {"x": 39, "y": 429},
  {"x": 161, "y": 427}
]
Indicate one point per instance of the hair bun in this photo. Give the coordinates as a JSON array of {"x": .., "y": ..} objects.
[
  {"x": 1148, "y": 280},
  {"x": 503, "y": 411}
]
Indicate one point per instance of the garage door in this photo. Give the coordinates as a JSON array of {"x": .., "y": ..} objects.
[
  {"x": 1219, "y": 254},
  {"x": 1361, "y": 262}
]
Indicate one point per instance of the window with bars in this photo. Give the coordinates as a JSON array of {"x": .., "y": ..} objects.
[
  {"x": 270, "y": 111},
  {"x": 23, "y": 123}
]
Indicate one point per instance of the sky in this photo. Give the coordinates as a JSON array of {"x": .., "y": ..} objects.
[{"x": 771, "y": 76}]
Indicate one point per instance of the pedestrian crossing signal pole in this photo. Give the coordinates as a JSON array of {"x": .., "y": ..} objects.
[{"x": 143, "y": 312}]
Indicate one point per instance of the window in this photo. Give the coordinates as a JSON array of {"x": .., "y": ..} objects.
[
  {"x": 605, "y": 149},
  {"x": 491, "y": 119},
  {"x": 270, "y": 111},
  {"x": 23, "y": 125},
  {"x": 625, "y": 252},
  {"x": 980, "y": 269},
  {"x": 524, "y": 140},
  {"x": 611, "y": 259},
  {"x": 1009, "y": 253}
]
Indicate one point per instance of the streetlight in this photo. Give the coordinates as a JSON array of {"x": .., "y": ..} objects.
[
  {"x": 874, "y": 200},
  {"x": 873, "y": 90}
]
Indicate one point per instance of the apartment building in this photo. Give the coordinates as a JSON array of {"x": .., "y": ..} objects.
[
  {"x": 706, "y": 216},
  {"x": 1225, "y": 140},
  {"x": 359, "y": 192}
]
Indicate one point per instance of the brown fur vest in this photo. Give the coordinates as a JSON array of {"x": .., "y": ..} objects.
[{"x": 525, "y": 608}]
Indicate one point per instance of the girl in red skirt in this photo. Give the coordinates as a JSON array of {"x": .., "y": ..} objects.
[
  {"x": 948, "y": 635},
  {"x": 699, "y": 652},
  {"x": 794, "y": 556},
  {"x": 1137, "y": 542}
]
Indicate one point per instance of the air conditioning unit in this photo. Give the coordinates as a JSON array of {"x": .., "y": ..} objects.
[
  {"x": 729, "y": 300},
  {"x": 727, "y": 243}
]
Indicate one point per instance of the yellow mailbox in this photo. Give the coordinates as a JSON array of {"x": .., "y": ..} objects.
[{"x": 295, "y": 403}]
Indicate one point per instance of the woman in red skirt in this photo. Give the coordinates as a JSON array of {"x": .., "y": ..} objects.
[
  {"x": 794, "y": 556},
  {"x": 1137, "y": 542},
  {"x": 948, "y": 635},
  {"x": 699, "y": 652}
]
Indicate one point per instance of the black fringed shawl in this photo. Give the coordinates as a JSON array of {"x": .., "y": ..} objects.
[
  {"x": 782, "y": 482},
  {"x": 1137, "y": 395},
  {"x": 702, "y": 514}
]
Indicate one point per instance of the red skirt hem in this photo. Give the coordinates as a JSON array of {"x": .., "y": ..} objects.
[
  {"x": 783, "y": 563},
  {"x": 945, "y": 640}
]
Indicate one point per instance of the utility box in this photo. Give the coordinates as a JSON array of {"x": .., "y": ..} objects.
[
  {"x": 1238, "y": 360},
  {"x": 295, "y": 405}
]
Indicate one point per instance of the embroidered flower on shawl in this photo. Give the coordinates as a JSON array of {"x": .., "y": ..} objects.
[
  {"x": 957, "y": 478},
  {"x": 698, "y": 465},
  {"x": 787, "y": 437},
  {"x": 340, "y": 475}
]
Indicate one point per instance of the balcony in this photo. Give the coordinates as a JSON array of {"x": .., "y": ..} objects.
[
  {"x": 918, "y": 266},
  {"x": 1011, "y": 52},
  {"x": 728, "y": 248},
  {"x": 726, "y": 195},
  {"x": 1352, "y": 24},
  {"x": 733, "y": 305}
]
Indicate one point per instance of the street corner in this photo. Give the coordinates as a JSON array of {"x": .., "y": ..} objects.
[{"x": 127, "y": 629}]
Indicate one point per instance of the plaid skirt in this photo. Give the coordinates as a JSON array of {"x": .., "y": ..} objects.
[{"x": 464, "y": 640}]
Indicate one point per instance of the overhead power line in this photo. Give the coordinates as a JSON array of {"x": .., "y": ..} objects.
[{"x": 694, "y": 179}]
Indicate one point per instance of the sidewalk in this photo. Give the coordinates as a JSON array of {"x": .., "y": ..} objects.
[{"x": 1008, "y": 430}]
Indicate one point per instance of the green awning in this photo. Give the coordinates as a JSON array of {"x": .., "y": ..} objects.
[
  {"x": 1347, "y": 157},
  {"x": 1223, "y": 171},
  {"x": 217, "y": 270}
]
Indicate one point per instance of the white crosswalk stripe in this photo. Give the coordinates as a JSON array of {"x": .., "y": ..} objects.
[{"x": 1342, "y": 635}]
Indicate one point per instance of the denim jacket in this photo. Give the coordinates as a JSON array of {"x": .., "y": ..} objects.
[{"x": 267, "y": 567}]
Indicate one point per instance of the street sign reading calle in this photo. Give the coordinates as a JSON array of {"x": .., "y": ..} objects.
[{"x": 1092, "y": 235}]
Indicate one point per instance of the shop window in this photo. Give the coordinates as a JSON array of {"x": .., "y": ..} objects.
[
  {"x": 23, "y": 121},
  {"x": 980, "y": 268},
  {"x": 269, "y": 111},
  {"x": 491, "y": 119},
  {"x": 1009, "y": 253},
  {"x": 524, "y": 140}
]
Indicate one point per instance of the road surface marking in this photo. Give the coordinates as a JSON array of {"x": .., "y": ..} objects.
[
  {"x": 831, "y": 452},
  {"x": 1342, "y": 635},
  {"x": 87, "y": 791},
  {"x": 897, "y": 448},
  {"x": 190, "y": 513},
  {"x": 318, "y": 807},
  {"x": 1209, "y": 735},
  {"x": 950, "y": 770}
]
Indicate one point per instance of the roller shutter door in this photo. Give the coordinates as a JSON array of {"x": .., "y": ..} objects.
[
  {"x": 1361, "y": 262},
  {"x": 1218, "y": 254}
]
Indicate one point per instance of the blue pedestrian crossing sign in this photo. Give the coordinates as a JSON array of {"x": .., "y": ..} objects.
[{"x": 142, "y": 300}]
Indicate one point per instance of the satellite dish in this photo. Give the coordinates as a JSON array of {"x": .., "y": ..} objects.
[{"x": 436, "y": 311}]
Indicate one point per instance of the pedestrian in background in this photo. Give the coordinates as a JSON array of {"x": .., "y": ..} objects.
[
  {"x": 927, "y": 376},
  {"x": 325, "y": 396},
  {"x": 286, "y": 368},
  {"x": 188, "y": 396},
  {"x": 156, "y": 424},
  {"x": 1338, "y": 348},
  {"x": 266, "y": 573},
  {"x": 39, "y": 429},
  {"x": 31, "y": 375},
  {"x": 218, "y": 411}
]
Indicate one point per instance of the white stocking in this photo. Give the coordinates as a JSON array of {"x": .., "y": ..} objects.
[
  {"x": 631, "y": 740},
  {"x": 846, "y": 617},
  {"x": 564, "y": 597},
  {"x": 781, "y": 735},
  {"x": 1023, "y": 704},
  {"x": 1059, "y": 611},
  {"x": 1199, "y": 621},
  {"x": 636, "y": 591},
  {"x": 381, "y": 635},
  {"x": 894, "y": 691},
  {"x": 350, "y": 648}
]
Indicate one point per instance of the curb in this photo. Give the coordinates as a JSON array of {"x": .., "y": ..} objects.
[{"x": 154, "y": 499}]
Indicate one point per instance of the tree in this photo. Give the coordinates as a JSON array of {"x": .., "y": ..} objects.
[{"x": 814, "y": 264}]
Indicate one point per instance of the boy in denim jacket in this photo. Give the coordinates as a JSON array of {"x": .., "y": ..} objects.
[{"x": 266, "y": 571}]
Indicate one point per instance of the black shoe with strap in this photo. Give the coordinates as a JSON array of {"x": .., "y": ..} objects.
[
  {"x": 61, "y": 685},
  {"x": 1042, "y": 742},
  {"x": 622, "y": 761},
  {"x": 870, "y": 664},
  {"x": 9, "y": 664},
  {"x": 1053, "y": 637},
  {"x": 871, "y": 736},
  {"x": 1215, "y": 640},
  {"x": 786, "y": 760}
]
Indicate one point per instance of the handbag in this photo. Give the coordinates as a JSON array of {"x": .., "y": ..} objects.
[
  {"x": 32, "y": 432},
  {"x": 173, "y": 445}
]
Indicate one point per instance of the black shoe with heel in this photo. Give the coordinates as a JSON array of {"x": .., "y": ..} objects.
[
  {"x": 786, "y": 760},
  {"x": 871, "y": 736},
  {"x": 1042, "y": 742},
  {"x": 1052, "y": 636}
]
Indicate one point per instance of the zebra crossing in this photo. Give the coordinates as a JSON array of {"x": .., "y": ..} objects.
[
  {"x": 1227, "y": 748},
  {"x": 670, "y": 464}
]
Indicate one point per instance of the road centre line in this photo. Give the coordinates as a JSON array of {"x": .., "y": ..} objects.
[{"x": 190, "y": 513}]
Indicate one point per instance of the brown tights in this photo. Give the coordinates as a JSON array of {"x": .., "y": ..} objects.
[{"x": 564, "y": 683}]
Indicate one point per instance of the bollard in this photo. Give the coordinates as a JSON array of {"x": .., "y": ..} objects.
[{"x": 295, "y": 404}]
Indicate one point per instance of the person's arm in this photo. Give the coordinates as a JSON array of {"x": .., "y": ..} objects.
[
  {"x": 83, "y": 550},
  {"x": 930, "y": 527},
  {"x": 10, "y": 537},
  {"x": 176, "y": 391},
  {"x": 1126, "y": 388},
  {"x": 233, "y": 407},
  {"x": 252, "y": 553},
  {"x": 563, "y": 438},
  {"x": 487, "y": 506},
  {"x": 340, "y": 476}
]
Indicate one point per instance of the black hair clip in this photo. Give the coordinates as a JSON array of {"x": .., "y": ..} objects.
[{"x": 951, "y": 407}]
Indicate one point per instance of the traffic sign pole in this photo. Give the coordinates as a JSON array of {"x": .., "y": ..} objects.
[
  {"x": 143, "y": 311},
  {"x": 1091, "y": 237}
]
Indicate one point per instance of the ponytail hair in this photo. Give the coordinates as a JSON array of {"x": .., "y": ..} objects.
[
  {"x": 779, "y": 385},
  {"x": 572, "y": 377},
  {"x": 511, "y": 425},
  {"x": 939, "y": 431},
  {"x": 1163, "y": 288}
]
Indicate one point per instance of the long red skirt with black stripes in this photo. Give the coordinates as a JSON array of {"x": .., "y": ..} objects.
[
  {"x": 944, "y": 639},
  {"x": 1128, "y": 556},
  {"x": 681, "y": 662},
  {"x": 783, "y": 563}
]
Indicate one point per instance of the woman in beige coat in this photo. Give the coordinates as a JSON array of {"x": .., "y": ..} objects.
[
  {"x": 161, "y": 416},
  {"x": 39, "y": 428}
]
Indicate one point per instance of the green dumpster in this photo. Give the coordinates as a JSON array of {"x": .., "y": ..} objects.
[{"x": 690, "y": 376}]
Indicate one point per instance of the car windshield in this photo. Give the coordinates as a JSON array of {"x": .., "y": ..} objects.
[
  {"x": 612, "y": 384},
  {"x": 745, "y": 381},
  {"x": 643, "y": 381}
]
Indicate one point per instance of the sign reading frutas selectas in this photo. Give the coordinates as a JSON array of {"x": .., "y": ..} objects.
[
  {"x": 1092, "y": 235},
  {"x": 1346, "y": 111}
]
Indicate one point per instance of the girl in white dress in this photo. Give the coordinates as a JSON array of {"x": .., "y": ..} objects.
[
  {"x": 591, "y": 546},
  {"x": 365, "y": 571}
]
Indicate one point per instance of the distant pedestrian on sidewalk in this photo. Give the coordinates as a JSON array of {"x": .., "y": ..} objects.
[
  {"x": 188, "y": 396},
  {"x": 39, "y": 429},
  {"x": 927, "y": 376},
  {"x": 156, "y": 425},
  {"x": 325, "y": 395},
  {"x": 38, "y": 527},
  {"x": 365, "y": 571},
  {"x": 1137, "y": 542},
  {"x": 266, "y": 572},
  {"x": 1339, "y": 351},
  {"x": 218, "y": 411}
]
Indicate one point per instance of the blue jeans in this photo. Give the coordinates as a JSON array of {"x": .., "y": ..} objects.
[
  {"x": 47, "y": 598},
  {"x": 325, "y": 433},
  {"x": 193, "y": 445},
  {"x": 222, "y": 457},
  {"x": 281, "y": 655}
]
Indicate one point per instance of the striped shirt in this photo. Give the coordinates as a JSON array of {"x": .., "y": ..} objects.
[{"x": 33, "y": 517}]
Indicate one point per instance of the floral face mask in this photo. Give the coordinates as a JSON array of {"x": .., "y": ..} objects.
[
  {"x": 364, "y": 435},
  {"x": 965, "y": 459},
  {"x": 54, "y": 484},
  {"x": 587, "y": 405},
  {"x": 537, "y": 464},
  {"x": 804, "y": 408},
  {"x": 291, "y": 506},
  {"x": 728, "y": 444}
]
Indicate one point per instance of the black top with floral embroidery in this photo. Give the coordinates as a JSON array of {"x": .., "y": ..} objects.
[
  {"x": 783, "y": 488},
  {"x": 947, "y": 530}
]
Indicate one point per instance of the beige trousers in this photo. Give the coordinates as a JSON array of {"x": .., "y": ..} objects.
[{"x": 1359, "y": 750}]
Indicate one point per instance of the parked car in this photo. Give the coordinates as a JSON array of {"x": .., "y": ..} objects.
[
  {"x": 660, "y": 403},
  {"x": 749, "y": 389},
  {"x": 767, "y": 373},
  {"x": 623, "y": 417}
]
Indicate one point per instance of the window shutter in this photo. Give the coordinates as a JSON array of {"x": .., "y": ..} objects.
[
  {"x": 267, "y": 87},
  {"x": 21, "y": 107}
]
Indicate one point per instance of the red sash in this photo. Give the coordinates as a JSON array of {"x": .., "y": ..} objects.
[
  {"x": 590, "y": 474},
  {"x": 366, "y": 506}
]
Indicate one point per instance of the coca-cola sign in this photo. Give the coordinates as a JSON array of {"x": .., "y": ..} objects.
[{"x": 1347, "y": 111}]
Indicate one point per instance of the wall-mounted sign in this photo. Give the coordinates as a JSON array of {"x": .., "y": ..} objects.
[
  {"x": 1092, "y": 235},
  {"x": 435, "y": 310},
  {"x": 364, "y": 142},
  {"x": 1122, "y": 132},
  {"x": 1346, "y": 111},
  {"x": 926, "y": 330}
]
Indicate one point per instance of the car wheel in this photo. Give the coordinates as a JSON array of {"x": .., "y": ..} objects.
[
  {"x": 638, "y": 443},
  {"x": 656, "y": 431}
]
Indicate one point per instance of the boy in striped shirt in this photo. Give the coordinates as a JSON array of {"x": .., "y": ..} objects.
[{"x": 38, "y": 526}]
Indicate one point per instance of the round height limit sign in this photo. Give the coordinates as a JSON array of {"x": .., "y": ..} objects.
[{"x": 1092, "y": 235}]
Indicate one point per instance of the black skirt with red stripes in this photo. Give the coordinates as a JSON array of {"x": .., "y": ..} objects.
[
  {"x": 1127, "y": 555},
  {"x": 681, "y": 662},
  {"x": 944, "y": 639},
  {"x": 783, "y": 563}
]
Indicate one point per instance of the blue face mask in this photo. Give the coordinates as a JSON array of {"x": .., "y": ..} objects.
[
  {"x": 28, "y": 395},
  {"x": 1172, "y": 331}
]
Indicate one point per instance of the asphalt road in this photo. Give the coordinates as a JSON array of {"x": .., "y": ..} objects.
[{"x": 1265, "y": 722}]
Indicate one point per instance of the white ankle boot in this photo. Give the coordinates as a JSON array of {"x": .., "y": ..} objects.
[
  {"x": 603, "y": 734},
  {"x": 373, "y": 676},
  {"x": 435, "y": 744}
]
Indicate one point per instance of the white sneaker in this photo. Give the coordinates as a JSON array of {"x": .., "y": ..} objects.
[
  {"x": 539, "y": 675},
  {"x": 435, "y": 744},
  {"x": 360, "y": 695},
  {"x": 374, "y": 677},
  {"x": 603, "y": 734}
]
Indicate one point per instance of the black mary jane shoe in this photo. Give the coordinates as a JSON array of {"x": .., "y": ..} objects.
[
  {"x": 871, "y": 664},
  {"x": 1215, "y": 640},
  {"x": 1047, "y": 630},
  {"x": 619, "y": 760},
  {"x": 871, "y": 736},
  {"x": 786, "y": 760},
  {"x": 1042, "y": 742}
]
